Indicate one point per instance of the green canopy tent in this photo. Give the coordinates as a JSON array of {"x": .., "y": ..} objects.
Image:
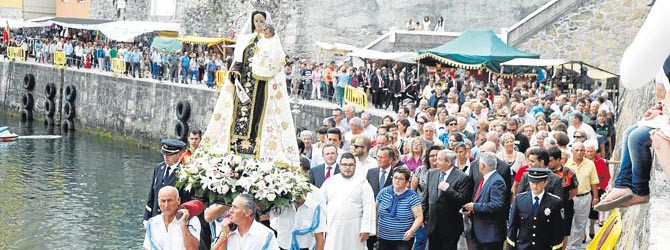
[
  {"x": 474, "y": 49},
  {"x": 167, "y": 43}
]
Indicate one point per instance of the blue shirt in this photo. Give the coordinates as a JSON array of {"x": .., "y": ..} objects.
[
  {"x": 136, "y": 56},
  {"x": 127, "y": 55},
  {"x": 185, "y": 61},
  {"x": 68, "y": 49},
  {"x": 393, "y": 228}
]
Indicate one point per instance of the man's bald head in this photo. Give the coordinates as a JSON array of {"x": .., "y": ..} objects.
[
  {"x": 488, "y": 146},
  {"x": 168, "y": 191}
]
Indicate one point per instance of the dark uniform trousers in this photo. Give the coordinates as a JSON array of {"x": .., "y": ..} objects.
[{"x": 530, "y": 230}]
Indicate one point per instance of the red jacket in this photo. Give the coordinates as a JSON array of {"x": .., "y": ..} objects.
[{"x": 603, "y": 172}]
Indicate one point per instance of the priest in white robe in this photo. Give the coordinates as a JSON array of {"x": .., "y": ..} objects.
[{"x": 350, "y": 214}]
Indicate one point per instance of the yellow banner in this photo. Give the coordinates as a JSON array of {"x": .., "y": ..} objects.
[
  {"x": 59, "y": 59},
  {"x": 16, "y": 53},
  {"x": 356, "y": 97},
  {"x": 118, "y": 65}
]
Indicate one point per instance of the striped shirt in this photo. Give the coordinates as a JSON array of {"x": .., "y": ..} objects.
[{"x": 393, "y": 228}]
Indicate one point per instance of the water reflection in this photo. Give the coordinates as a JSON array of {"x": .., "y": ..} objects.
[{"x": 75, "y": 192}]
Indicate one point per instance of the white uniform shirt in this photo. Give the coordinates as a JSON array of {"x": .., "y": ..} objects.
[
  {"x": 298, "y": 219},
  {"x": 171, "y": 239},
  {"x": 254, "y": 239}
]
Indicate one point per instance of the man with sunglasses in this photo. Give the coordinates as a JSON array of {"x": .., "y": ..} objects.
[{"x": 577, "y": 123}]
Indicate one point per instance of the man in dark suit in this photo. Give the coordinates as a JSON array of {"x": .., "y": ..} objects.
[
  {"x": 321, "y": 172},
  {"x": 380, "y": 177},
  {"x": 165, "y": 174},
  {"x": 374, "y": 176},
  {"x": 447, "y": 190},
  {"x": 536, "y": 217},
  {"x": 487, "y": 210},
  {"x": 501, "y": 168},
  {"x": 377, "y": 85}
]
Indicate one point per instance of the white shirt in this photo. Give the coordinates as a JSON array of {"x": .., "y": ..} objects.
[
  {"x": 171, "y": 238},
  {"x": 369, "y": 163},
  {"x": 254, "y": 239},
  {"x": 301, "y": 218},
  {"x": 539, "y": 196},
  {"x": 317, "y": 156},
  {"x": 446, "y": 173},
  {"x": 486, "y": 176},
  {"x": 371, "y": 129},
  {"x": 527, "y": 118},
  {"x": 590, "y": 134}
]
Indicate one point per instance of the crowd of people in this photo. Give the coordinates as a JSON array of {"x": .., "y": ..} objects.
[
  {"x": 464, "y": 161},
  {"x": 194, "y": 64}
]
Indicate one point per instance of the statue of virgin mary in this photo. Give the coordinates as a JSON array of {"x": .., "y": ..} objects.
[{"x": 252, "y": 117}]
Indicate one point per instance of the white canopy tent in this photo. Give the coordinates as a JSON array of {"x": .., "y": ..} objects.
[
  {"x": 126, "y": 31},
  {"x": 404, "y": 57},
  {"x": 18, "y": 23}
]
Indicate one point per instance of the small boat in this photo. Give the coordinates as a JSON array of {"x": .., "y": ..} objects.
[{"x": 6, "y": 136}]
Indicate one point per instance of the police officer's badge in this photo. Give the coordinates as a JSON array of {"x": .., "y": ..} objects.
[{"x": 547, "y": 211}]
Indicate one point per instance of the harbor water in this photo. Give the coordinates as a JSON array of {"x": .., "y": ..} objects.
[{"x": 79, "y": 191}]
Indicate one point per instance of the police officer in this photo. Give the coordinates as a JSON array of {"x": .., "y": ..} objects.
[
  {"x": 536, "y": 217},
  {"x": 165, "y": 174}
]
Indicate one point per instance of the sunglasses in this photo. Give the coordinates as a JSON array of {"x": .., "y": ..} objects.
[
  {"x": 358, "y": 146},
  {"x": 578, "y": 136},
  {"x": 452, "y": 124}
]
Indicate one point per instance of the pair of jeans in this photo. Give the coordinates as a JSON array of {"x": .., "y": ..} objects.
[
  {"x": 420, "y": 238},
  {"x": 395, "y": 244},
  {"x": 194, "y": 74},
  {"x": 636, "y": 160},
  {"x": 210, "y": 78},
  {"x": 184, "y": 74}
]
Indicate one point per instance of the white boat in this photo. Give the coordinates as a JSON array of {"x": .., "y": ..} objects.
[{"x": 6, "y": 136}]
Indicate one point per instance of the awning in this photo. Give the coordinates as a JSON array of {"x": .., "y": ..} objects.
[
  {"x": 126, "y": 31},
  {"x": 405, "y": 57},
  {"x": 18, "y": 23},
  {"x": 592, "y": 71},
  {"x": 166, "y": 43},
  {"x": 533, "y": 62},
  {"x": 75, "y": 23},
  {"x": 335, "y": 48},
  {"x": 210, "y": 41}
]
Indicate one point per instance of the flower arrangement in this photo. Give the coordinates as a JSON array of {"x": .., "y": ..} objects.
[{"x": 221, "y": 177}]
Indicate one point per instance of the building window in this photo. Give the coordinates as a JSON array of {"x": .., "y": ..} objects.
[{"x": 163, "y": 7}]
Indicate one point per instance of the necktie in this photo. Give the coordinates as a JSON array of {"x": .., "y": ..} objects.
[
  {"x": 381, "y": 81},
  {"x": 402, "y": 85},
  {"x": 442, "y": 175},
  {"x": 536, "y": 205},
  {"x": 479, "y": 189},
  {"x": 382, "y": 179},
  {"x": 327, "y": 173}
]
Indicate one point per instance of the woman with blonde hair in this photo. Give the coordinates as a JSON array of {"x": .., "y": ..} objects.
[
  {"x": 510, "y": 154},
  {"x": 414, "y": 158}
]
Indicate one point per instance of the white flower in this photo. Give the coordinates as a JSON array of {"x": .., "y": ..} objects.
[
  {"x": 547, "y": 211},
  {"x": 271, "y": 196}
]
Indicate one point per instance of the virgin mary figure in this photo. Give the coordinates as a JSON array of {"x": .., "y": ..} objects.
[{"x": 252, "y": 117}]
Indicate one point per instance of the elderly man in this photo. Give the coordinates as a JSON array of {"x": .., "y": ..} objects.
[
  {"x": 249, "y": 234},
  {"x": 447, "y": 189},
  {"x": 587, "y": 193},
  {"x": 487, "y": 209},
  {"x": 523, "y": 115},
  {"x": 371, "y": 129},
  {"x": 306, "y": 136},
  {"x": 350, "y": 212},
  {"x": 166, "y": 230},
  {"x": 429, "y": 138},
  {"x": 382, "y": 140},
  {"x": 357, "y": 128}
]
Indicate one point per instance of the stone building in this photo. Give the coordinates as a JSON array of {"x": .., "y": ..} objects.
[{"x": 301, "y": 22}]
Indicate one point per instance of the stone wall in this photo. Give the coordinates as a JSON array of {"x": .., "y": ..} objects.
[
  {"x": 142, "y": 110},
  {"x": 597, "y": 33},
  {"x": 11, "y": 13},
  {"x": 301, "y": 22}
]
